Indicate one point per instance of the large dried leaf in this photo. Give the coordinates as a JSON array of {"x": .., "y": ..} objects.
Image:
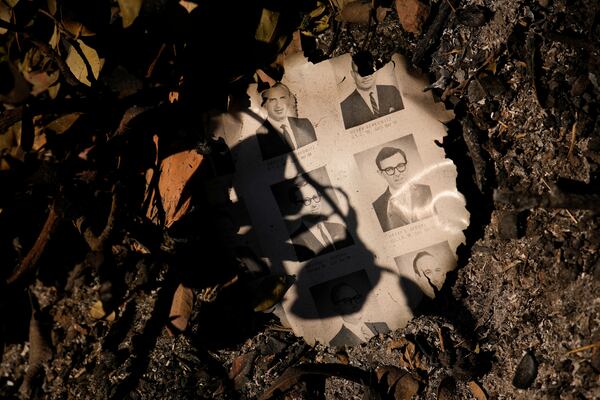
[
  {"x": 174, "y": 184},
  {"x": 181, "y": 309},
  {"x": 130, "y": 9},
  {"x": 265, "y": 32},
  {"x": 78, "y": 66}
]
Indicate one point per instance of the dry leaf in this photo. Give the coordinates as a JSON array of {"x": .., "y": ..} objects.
[
  {"x": 265, "y": 32},
  {"x": 411, "y": 358},
  {"x": 40, "y": 80},
  {"x": 269, "y": 290},
  {"x": 5, "y": 15},
  {"x": 181, "y": 309},
  {"x": 77, "y": 28},
  {"x": 175, "y": 194},
  {"x": 412, "y": 15},
  {"x": 294, "y": 47},
  {"x": 78, "y": 66},
  {"x": 129, "y": 11},
  {"x": 406, "y": 388},
  {"x": 262, "y": 75},
  {"x": 188, "y": 5},
  {"x": 395, "y": 380},
  {"x": 381, "y": 13},
  {"x": 137, "y": 247},
  {"x": 97, "y": 312},
  {"x": 397, "y": 344},
  {"x": 52, "y": 7},
  {"x": 63, "y": 123},
  {"x": 356, "y": 12},
  {"x": 477, "y": 391},
  {"x": 240, "y": 368}
]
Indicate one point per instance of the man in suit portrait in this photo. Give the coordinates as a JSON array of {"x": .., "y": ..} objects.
[
  {"x": 429, "y": 272},
  {"x": 281, "y": 132},
  {"x": 368, "y": 101},
  {"x": 314, "y": 235},
  {"x": 347, "y": 303},
  {"x": 403, "y": 202}
]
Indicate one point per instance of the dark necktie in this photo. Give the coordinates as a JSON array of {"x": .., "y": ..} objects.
[
  {"x": 374, "y": 104},
  {"x": 286, "y": 136},
  {"x": 324, "y": 236}
]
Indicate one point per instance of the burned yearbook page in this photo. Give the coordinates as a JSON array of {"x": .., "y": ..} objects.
[{"x": 335, "y": 177}]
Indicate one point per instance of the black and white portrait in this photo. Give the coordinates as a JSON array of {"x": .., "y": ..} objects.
[
  {"x": 308, "y": 204},
  {"x": 282, "y": 132},
  {"x": 368, "y": 99},
  {"x": 345, "y": 297},
  {"x": 396, "y": 165},
  {"x": 428, "y": 266}
]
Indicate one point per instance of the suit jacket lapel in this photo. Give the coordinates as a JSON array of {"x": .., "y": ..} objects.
[
  {"x": 365, "y": 111},
  {"x": 311, "y": 241}
]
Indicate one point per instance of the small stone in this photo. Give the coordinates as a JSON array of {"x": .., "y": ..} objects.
[{"x": 526, "y": 372}]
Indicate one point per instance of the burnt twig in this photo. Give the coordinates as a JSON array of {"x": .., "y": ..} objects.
[
  {"x": 97, "y": 243},
  {"x": 430, "y": 38},
  {"x": 29, "y": 263},
  {"x": 476, "y": 153}
]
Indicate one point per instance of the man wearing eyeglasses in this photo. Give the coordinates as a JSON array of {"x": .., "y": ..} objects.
[
  {"x": 403, "y": 202},
  {"x": 315, "y": 235},
  {"x": 368, "y": 101},
  {"x": 282, "y": 133}
]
